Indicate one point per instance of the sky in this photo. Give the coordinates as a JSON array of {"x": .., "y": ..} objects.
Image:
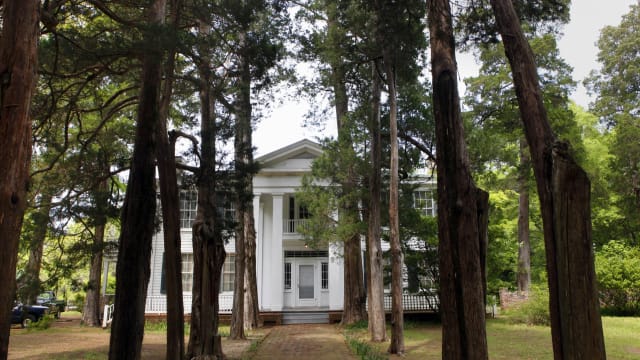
[{"x": 284, "y": 124}]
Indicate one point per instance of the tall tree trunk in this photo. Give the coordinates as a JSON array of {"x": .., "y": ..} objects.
[
  {"x": 354, "y": 307},
  {"x": 170, "y": 200},
  {"x": 31, "y": 282},
  {"x": 377, "y": 326},
  {"x": 134, "y": 252},
  {"x": 397, "y": 321},
  {"x": 18, "y": 57},
  {"x": 208, "y": 243},
  {"x": 251, "y": 306},
  {"x": 91, "y": 312},
  {"x": 244, "y": 191},
  {"x": 461, "y": 287},
  {"x": 564, "y": 192},
  {"x": 524, "y": 243}
]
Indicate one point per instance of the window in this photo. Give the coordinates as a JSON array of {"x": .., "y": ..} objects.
[
  {"x": 187, "y": 272},
  {"x": 228, "y": 273},
  {"x": 287, "y": 276},
  {"x": 424, "y": 202},
  {"x": 188, "y": 206},
  {"x": 325, "y": 275},
  {"x": 303, "y": 212}
]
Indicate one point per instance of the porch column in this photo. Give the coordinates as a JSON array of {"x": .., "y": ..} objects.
[
  {"x": 105, "y": 275},
  {"x": 336, "y": 278},
  {"x": 275, "y": 277},
  {"x": 257, "y": 212}
]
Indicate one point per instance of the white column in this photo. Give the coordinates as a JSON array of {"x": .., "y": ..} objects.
[
  {"x": 275, "y": 277},
  {"x": 257, "y": 218},
  {"x": 336, "y": 277},
  {"x": 105, "y": 274}
]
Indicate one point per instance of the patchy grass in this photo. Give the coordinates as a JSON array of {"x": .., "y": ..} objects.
[
  {"x": 622, "y": 337},
  {"x": 506, "y": 340},
  {"x": 67, "y": 339}
]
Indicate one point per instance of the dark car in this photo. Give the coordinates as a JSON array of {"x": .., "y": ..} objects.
[
  {"x": 27, "y": 314},
  {"x": 48, "y": 298}
]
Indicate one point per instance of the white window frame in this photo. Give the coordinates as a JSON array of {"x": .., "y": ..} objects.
[
  {"x": 228, "y": 276},
  {"x": 187, "y": 272},
  {"x": 424, "y": 201},
  {"x": 188, "y": 207}
]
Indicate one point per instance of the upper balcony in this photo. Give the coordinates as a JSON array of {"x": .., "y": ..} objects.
[{"x": 293, "y": 226}]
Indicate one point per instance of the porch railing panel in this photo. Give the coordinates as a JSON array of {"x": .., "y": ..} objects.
[
  {"x": 157, "y": 304},
  {"x": 414, "y": 302}
]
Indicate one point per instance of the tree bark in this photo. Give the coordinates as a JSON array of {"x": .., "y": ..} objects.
[
  {"x": 377, "y": 325},
  {"x": 91, "y": 313},
  {"x": 208, "y": 243},
  {"x": 524, "y": 243},
  {"x": 244, "y": 191},
  {"x": 461, "y": 288},
  {"x": 397, "y": 320},
  {"x": 134, "y": 252},
  {"x": 563, "y": 189},
  {"x": 18, "y": 58},
  {"x": 354, "y": 307},
  {"x": 251, "y": 306},
  {"x": 170, "y": 200}
]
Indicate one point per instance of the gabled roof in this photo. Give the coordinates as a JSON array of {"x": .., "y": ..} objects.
[{"x": 303, "y": 149}]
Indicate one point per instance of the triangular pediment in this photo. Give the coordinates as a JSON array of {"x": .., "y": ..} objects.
[{"x": 296, "y": 157}]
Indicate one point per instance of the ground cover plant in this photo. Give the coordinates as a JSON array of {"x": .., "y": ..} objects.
[{"x": 506, "y": 340}]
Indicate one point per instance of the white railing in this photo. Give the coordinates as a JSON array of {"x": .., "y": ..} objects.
[
  {"x": 291, "y": 226},
  {"x": 157, "y": 304},
  {"x": 415, "y": 302},
  {"x": 107, "y": 316}
]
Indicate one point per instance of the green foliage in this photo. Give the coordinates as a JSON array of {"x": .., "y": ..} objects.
[
  {"x": 364, "y": 350},
  {"x": 617, "y": 105},
  {"x": 495, "y": 133},
  {"x": 534, "y": 311},
  {"x": 618, "y": 276},
  {"x": 476, "y": 23},
  {"x": 42, "y": 324}
]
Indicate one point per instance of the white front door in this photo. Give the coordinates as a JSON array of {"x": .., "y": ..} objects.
[{"x": 307, "y": 285}]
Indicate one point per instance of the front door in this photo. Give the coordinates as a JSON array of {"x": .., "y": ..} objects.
[{"x": 306, "y": 285}]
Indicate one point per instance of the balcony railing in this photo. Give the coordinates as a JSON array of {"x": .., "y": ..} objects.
[{"x": 292, "y": 226}]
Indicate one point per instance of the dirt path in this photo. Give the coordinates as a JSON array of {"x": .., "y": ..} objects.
[{"x": 299, "y": 342}]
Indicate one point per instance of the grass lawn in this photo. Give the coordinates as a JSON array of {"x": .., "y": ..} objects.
[{"x": 510, "y": 341}]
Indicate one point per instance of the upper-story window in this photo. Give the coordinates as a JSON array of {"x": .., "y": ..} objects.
[
  {"x": 188, "y": 207},
  {"x": 424, "y": 201}
]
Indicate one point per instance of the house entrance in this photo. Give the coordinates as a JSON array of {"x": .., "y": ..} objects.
[
  {"x": 306, "y": 285},
  {"x": 306, "y": 279}
]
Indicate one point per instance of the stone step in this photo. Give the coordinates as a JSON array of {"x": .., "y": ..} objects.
[{"x": 303, "y": 317}]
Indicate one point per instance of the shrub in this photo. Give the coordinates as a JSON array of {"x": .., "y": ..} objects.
[
  {"x": 534, "y": 311},
  {"x": 618, "y": 276},
  {"x": 42, "y": 324}
]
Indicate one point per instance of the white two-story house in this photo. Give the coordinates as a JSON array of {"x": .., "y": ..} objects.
[{"x": 290, "y": 275}]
